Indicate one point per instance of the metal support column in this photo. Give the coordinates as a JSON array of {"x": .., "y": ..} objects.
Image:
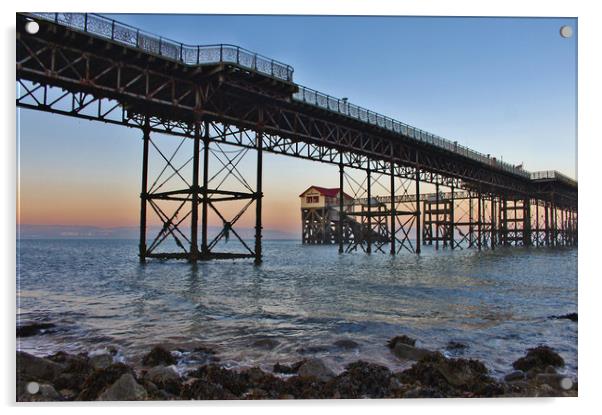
[
  {"x": 470, "y": 221},
  {"x": 418, "y": 213},
  {"x": 546, "y": 224},
  {"x": 144, "y": 190},
  {"x": 527, "y": 222},
  {"x": 369, "y": 238},
  {"x": 451, "y": 219},
  {"x": 562, "y": 228},
  {"x": 552, "y": 223},
  {"x": 479, "y": 220},
  {"x": 493, "y": 230},
  {"x": 392, "y": 208},
  {"x": 258, "y": 198},
  {"x": 503, "y": 224},
  {"x": 341, "y": 203},
  {"x": 205, "y": 211},
  {"x": 194, "y": 190},
  {"x": 437, "y": 216},
  {"x": 537, "y": 222}
]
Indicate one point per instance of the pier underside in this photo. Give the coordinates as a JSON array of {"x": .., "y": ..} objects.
[{"x": 212, "y": 107}]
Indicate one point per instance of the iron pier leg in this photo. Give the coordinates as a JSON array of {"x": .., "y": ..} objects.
[
  {"x": 194, "y": 219},
  {"x": 437, "y": 216},
  {"x": 393, "y": 210},
  {"x": 425, "y": 213},
  {"x": 258, "y": 198},
  {"x": 369, "y": 238},
  {"x": 205, "y": 211},
  {"x": 537, "y": 222},
  {"x": 552, "y": 224},
  {"x": 479, "y": 219},
  {"x": 527, "y": 222},
  {"x": 418, "y": 212},
  {"x": 562, "y": 228},
  {"x": 493, "y": 230},
  {"x": 470, "y": 221},
  {"x": 451, "y": 224},
  {"x": 144, "y": 190},
  {"x": 546, "y": 224},
  {"x": 341, "y": 203}
]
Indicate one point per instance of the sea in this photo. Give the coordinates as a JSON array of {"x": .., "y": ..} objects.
[{"x": 302, "y": 301}]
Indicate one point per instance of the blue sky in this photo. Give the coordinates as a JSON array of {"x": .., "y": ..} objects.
[{"x": 504, "y": 86}]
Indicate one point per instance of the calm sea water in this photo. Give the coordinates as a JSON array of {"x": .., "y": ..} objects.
[{"x": 304, "y": 298}]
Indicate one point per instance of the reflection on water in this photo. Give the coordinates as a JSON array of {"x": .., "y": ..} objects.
[{"x": 300, "y": 302}]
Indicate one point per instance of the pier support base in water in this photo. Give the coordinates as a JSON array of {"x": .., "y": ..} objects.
[{"x": 175, "y": 197}]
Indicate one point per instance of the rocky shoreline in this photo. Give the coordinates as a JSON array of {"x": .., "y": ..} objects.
[{"x": 101, "y": 376}]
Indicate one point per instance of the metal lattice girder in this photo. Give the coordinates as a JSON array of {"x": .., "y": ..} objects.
[
  {"x": 176, "y": 198},
  {"x": 87, "y": 106},
  {"x": 140, "y": 83}
]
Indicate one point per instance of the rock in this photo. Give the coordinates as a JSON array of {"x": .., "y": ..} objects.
[
  {"x": 101, "y": 360},
  {"x": 316, "y": 368},
  {"x": 286, "y": 369},
  {"x": 457, "y": 346},
  {"x": 451, "y": 377},
  {"x": 346, "y": 344},
  {"x": 165, "y": 378},
  {"x": 254, "y": 374},
  {"x": 32, "y": 368},
  {"x": 551, "y": 379},
  {"x": 570, "y": 316},
  {"x": 303, "y": 387},
  {"x": 45, "y": 393},
  {"x": 267, "y": 343},
  {"x": 420, "y": 392},
  {"x": 124, "y": 389},
  {"x": 407, "y": 352},
  {"x": 256, "y": 393},
  {"x": 158, "y": 356},
  {"x": 101, "y": 379},
  {"x": 214, "y": 382},
  {"x": 514, "y": 376},
  {"x": 32, "y": 329},
  {"x": 364, "y": 380},
  {"x": 403, "y": 339},
  {"x": 546, "y": 391},
  {"x": 77, "y": 370},
  {"x": 538, "y": 359},
  {"x": 68, "y": 394}
]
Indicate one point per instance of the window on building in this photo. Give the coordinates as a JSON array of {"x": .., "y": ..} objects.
[{"x": 312, "y": 199}]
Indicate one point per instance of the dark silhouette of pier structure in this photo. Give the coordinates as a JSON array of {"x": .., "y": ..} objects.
[{"x": 228, "y": 103}]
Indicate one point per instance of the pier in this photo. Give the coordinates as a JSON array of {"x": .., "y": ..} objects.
[{"x": 224, "y": 103}]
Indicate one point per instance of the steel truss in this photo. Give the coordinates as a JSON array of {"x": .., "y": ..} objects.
[
  {"x": 215, "y": 190},
  {"x": 66, "y": 72},
  {"x": 149, "y": 85}
]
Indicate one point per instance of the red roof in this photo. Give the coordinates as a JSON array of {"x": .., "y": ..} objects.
[{"x": 325, "y": 191}]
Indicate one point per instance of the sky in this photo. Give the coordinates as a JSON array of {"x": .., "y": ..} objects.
[{"x": 501, "y": 86}]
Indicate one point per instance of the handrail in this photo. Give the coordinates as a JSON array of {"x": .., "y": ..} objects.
[
  {"x": 104, "y": 27},
  {"x": 552, "y": 175},
  {"x": 343, "y": 107}
]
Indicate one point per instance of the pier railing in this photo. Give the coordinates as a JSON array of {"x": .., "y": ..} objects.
[
  {"x": 106, "y": 28},
  {"x": 552, "y": 175},
  {"x": 342, "y": 106}
]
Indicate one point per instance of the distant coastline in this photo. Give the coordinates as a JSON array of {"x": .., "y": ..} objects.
[{"x": 27, "y": 231}]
